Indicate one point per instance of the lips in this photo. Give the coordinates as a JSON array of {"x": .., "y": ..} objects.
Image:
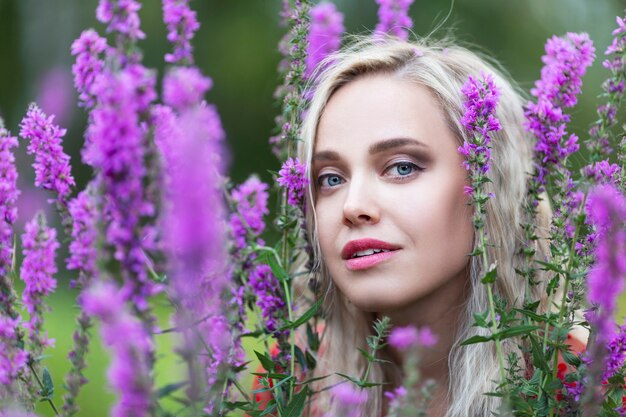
[{"x": 368, "y": 258}]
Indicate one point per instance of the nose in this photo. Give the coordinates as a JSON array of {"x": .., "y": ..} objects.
[{"x": 361, "y": 206}]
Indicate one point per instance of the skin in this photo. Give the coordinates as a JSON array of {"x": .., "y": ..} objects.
[{"x": 410, "y": 195}]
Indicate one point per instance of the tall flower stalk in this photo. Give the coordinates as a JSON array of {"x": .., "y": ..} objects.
[
  {"x": 190, "y": 138},
  {"x": 481, "y": 99},
  {"x": 393, "y": 18},
  {"x": 13, "y": 360},
  {"x": 607, "y": 212},
  {"x": 566, "y": 61},
  {"x": 324, "y": 34}
]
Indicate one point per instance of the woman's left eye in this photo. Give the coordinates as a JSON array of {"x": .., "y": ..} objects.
[{"x": 402, "y": 169}]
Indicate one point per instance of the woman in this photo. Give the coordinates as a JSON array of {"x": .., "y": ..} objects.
[{"x": 389, "y": 221}]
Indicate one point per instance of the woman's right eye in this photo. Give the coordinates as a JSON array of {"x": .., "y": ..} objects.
[{"x": 329, "y": 180}]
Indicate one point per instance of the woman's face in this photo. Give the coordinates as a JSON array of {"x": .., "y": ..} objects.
[{"x": 388, "y": 177}]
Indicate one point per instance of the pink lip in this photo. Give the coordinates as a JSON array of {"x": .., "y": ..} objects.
[
  {"x": 365, "y": 262},
  {"x": 369, "y": 261}
]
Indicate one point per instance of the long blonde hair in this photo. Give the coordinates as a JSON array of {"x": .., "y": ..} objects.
[{"x": 443, "y": 68}]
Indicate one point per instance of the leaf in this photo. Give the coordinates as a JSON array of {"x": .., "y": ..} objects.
[
  {"x": 515, "y": 331},
  {"x": 570, "y": 358},
  {"x": 490, "y": 276},
  {"x": 47, "y": 391},
  {"x": 312, "y": 338},
  {"x": 480, "y": 319},
  {"x": 277, "y": 268},
  {"x": 300, "y": 357},
  {"x": 360, "y": 383},
  {"x": 366, "y": 354},
  {"x": 549, "y": 266},
  {"x": 310, "y": 360},
  {"x": 265, "y": 360},
  {"x": 303, "y": 318},
  {"x": 296, "y": 405},
  {"x": 168, "y": 389},
  {"x": 475, "y": 339}
]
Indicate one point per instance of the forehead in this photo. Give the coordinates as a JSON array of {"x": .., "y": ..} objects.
[{"x": 376, "y": 107}]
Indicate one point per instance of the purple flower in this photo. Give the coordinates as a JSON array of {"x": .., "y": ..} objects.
[
  {"x": 82, "y": 210},
  {"x": 115, "y": 149},
  {"x": 52, "y": 165},
  {"x": 616, "y": 354},
  {"x": 617, "y": 47},
  {"x": 565, "y": 63},
  {"x": 393, "y": 18},
  {"x": 88, "y": 49},
  {"x": 604, "y": 172},
  {"x": 190, "y": 141},
  {"x": 349, "y": 400},
  {"x": 324, "y": 34},
  {"x": 606, "y": 209},
  {"x": 481, "y": 99},
  {"x": 292, "y": 177},
  {"x": 250, "y": 200},
  {"x": 268, "y": 294},
  {"x": 184, "y": 87},
  {"x": 403, "y": 338},
  {"x": 13, "y": 359},
  {"x": 181, "y": 25},
  {"x": 8, "y": 198},
  {"x": 39, "y": 245},
  {"x": 130, "y": 347},
  {"x": 121, "y": 16}
]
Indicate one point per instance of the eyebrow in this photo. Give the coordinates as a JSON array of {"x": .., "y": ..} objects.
[{"x": 378, "y": 147}]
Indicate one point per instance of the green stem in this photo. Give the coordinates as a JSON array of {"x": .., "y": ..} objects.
[{"x": 494, "y": 325}]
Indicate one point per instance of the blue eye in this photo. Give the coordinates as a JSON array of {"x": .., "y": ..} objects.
[
  {"x": 404, "y": 168},
  {"x": 329, "y": 180}
]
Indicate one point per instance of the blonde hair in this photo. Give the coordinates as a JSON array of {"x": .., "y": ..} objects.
[{"x": 442, "y": 68}]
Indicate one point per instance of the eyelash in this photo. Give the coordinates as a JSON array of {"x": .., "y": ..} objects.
[{"x": 415, "y": 168}]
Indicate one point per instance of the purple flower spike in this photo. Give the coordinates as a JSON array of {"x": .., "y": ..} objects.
[
  {"x": 606, "y": 209},
  {"x": 268, "y": 293},
  {"x": 52, "y": 165},
  {"x": 349, "y": 400},
  {"x": 88, "y": 49},
  {"x": 39, "y": 245},
  {"x": 13, "y": 359},
  {"x": 617, "y": 47},
  {"x": 82, "y": 249},
  {"x": 324, "y": 34},
  {"x": 181, "y": 25},
  {"x": 393, "y": 18},
  {"x": 130, "y": 347},
  {"x": 115, "y": 149},
  {"x": 565, "y": 63},
  {"x": 121, "y": 16},
  {"x": 481, "y": 99},
  {"x": 8, "y": 199},
  {"x": 404, "y": 338},
  {"x": 184, "y": 87},
  {"x": 250, "y": 199},
  {"x": 292, "y": 177}
]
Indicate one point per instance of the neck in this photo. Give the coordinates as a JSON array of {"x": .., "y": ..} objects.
[{"x": 441, "y": 312}]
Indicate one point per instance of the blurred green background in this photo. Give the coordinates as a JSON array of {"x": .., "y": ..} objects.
[{"x": 236, "y": 46}]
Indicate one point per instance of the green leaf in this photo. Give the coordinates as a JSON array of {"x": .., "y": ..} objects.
[
  {"x": 265, "y": 360},
  {"x": 312, "y": 338},
  {"x": 300, "y": 357},
  {"x": 515, "y": 331},
  {"x": 549, "y": 266},
  {"x": 475, "y": 339},
  {"x": 366, "y": 354},
  {"x": 480, "y": 319},
  {"x": 490, "y": 276},
  {"x": 277, "y": 269},
  {"x": 310, "y": 360},
  {"x": 296, "y": 405},
  {"x": 48, "y": 386},
  {"x": 570, "y": 358},
  {"x": 168, "y": 389},
  {"x": 303, "y": 318}
]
